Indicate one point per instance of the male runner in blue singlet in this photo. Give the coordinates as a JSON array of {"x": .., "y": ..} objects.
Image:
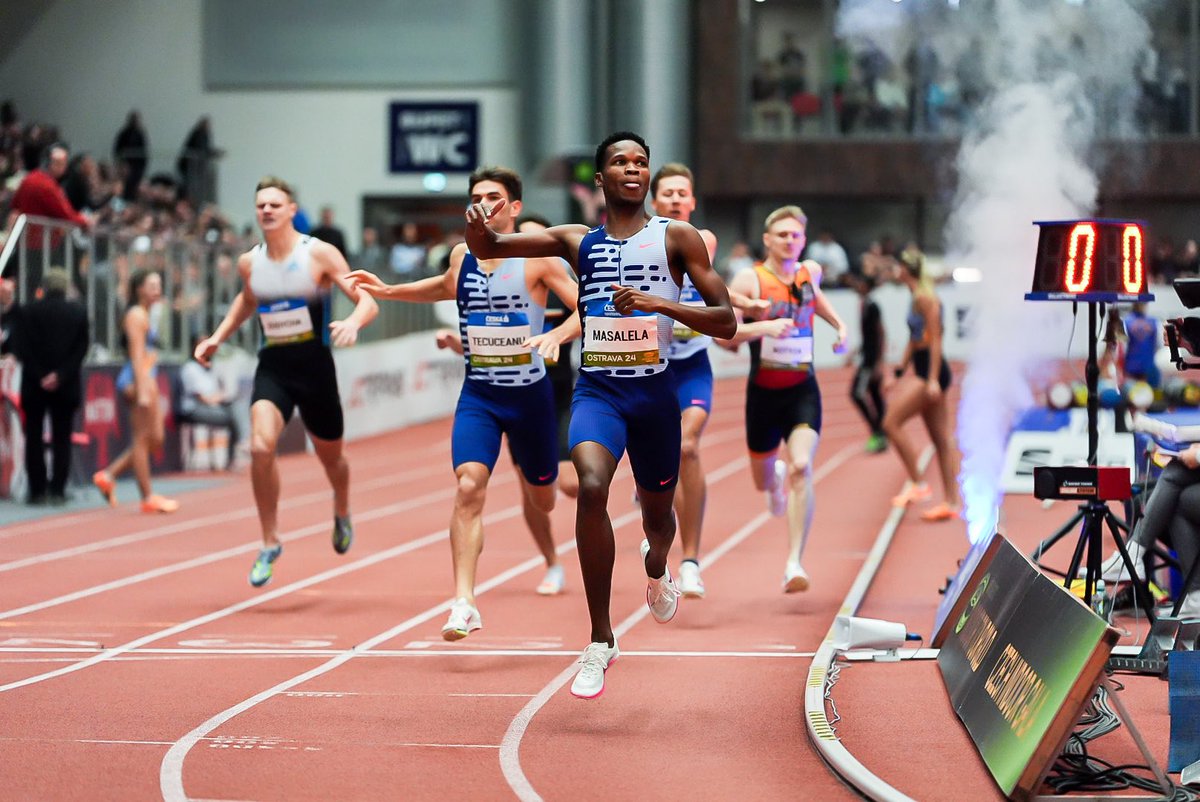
[
  {"x": 630, "y": 273},
  {"x": 287, "y": 280},
  {"x": 501, "y": 304}
]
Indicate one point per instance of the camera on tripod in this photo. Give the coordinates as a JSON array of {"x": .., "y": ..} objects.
[{"x": 1185, "y": 331}]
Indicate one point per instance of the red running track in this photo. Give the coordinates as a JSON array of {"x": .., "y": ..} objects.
[{"x": 136, "y": 662}]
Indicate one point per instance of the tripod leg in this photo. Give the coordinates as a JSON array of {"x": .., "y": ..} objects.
[
  {"x": 1062, "y": 532},
  {"x": 1077, "y": 558},
  {"x": 1141, "y": 593}
]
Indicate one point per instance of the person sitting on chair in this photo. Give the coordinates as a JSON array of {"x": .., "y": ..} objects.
[{"x": 202, "y": 401}]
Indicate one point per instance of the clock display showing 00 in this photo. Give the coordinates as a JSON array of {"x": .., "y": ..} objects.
[{"x": 1090, "y": 260}]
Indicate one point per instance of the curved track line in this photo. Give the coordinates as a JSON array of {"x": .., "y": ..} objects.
[
  {"x": 403, "y": 548},
  {"x": 510, "y": 746},
  {"x": 171, "y": 771},
  {"x": 823, "y": 738}
]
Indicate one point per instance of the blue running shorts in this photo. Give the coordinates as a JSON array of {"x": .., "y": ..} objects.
[
  {"x": 524, "y": 413},
  {"x": 694, "y": 381},
  {"x": 638, "y": 414}
]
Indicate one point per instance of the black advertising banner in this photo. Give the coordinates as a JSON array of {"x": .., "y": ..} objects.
[
  {"x": 1021, "y": 659},
  {"x": 974, "y": 565},
  {"x": 433, "y": 137}
]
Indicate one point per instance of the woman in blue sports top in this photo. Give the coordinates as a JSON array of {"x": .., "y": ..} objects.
[
  {"x": 137, "y": 385},
  {"x": 923, "y": 392}
]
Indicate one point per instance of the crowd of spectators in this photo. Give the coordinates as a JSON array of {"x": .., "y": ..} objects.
[{"x": 863, "y": 91}]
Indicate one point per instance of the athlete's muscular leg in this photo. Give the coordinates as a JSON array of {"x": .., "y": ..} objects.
[
  {"x": 762, "y": 469},
  {"x": 937, "y": 421},
  {"x": 907, "y": 399},
  {"x": 801, "y": 447},
  {"x": 266, "y": 424},
  {"x": 337, "y": 469},
  {"x": 658, "y": 522},
  {"x": 594, "y": 534},
  {"x": 466, "y": 526},
  {"x": 537, "y": 501},
  {"x": 691, "y": 493}
]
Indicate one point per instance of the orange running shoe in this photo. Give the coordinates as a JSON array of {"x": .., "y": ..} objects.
[
  {"x": 942, "y": 512},
  {"x": 917, "y": 492},
  {"x": 159, "y": 504},
  {"x": 107, "y": 487}
]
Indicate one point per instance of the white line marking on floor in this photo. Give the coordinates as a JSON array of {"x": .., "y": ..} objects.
[
  {"x": 154, "y": 573},
  {"x": 171, "y": 770},
  {"x": 263, "y": 598},
  {"x": 510, "y": 745},
  {"x": 200, "y": 523}
]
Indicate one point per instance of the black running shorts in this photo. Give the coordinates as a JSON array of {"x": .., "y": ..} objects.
[
  {"x": 301, "y": 376},
  {"x": 772, "y": 414}
]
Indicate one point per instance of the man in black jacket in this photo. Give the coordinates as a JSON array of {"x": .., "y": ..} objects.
[{"x": 50, "y": 338}]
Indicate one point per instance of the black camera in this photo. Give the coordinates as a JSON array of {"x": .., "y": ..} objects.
[{"x": 1185, "y": 330}]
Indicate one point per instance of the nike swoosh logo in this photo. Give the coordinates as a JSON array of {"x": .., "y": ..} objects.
[
  {"x": 646, "y": 245},
  {"x": 665, "y": 481},
  {"x": 544, "y": 478}
]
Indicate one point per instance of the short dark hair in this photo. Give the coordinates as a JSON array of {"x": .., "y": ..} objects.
[
  {"x": 504, "y": 176},
  {"x": 275, "y": 182},
  {"x": 670, "y": 170},
  {"x": 613, "y": 138},
  {"x": 533, "y": 218}
]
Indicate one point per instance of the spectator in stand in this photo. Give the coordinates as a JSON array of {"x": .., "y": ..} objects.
[
  {"x": 792, "y": 66},
  {"x": 408, "y": 255},
  {"x": 1188, "y": 261},
  {"x": 195, "y": 164},
  {"x": 202, "y": 401},
  {"x": 131, "y": 151},
  {"x": 770, "y": 110},
  {"x": 82, "y": 184},
  {"x": 50, "y": 338},
  {"x": 826, "y": 251},
  {"x": 328, "y": 232},
  {"x": 738, "y": 260},
  {"x": 371, "y": 256},
  {"x": 890, "y": 111},
  {"x": 875, "y": 264},
  {"x": 1162, "y": 262},
  {"x": 41, "y": 195}
]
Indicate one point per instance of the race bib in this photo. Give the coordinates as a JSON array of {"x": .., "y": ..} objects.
[
  {"x": 615, "y": 340},
  {"x": 286, "y": 321},
  {"x": 496, "y": 339},
  {"x": 682, "y": 332},
  {"x": 790, "y": 352}
]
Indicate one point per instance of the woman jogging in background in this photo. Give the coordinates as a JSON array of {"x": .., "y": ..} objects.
[
  {"x": 923, "y": 392},
  {"x": 137, "y": 384}
]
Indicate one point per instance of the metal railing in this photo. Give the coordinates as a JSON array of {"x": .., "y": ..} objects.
[{"x": 200, "y": 281}]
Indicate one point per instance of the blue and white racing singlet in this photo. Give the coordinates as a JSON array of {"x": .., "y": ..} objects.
[
  {"x": 619, "y": 345},
  {"x": 687, "y": 343},
  {"x": 495, "y": 316},
  {"x": 292, "y": 306}
]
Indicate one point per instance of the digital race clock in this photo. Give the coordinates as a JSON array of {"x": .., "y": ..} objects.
[{"x": 1091, "y": 260}]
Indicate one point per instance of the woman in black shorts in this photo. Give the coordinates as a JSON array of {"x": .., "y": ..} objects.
[{"x": 923, "y": 392}]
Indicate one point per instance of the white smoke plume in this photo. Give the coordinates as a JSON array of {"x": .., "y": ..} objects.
[{"x": 1052, "y": 76}]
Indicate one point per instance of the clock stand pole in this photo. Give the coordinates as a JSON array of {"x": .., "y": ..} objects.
[{"x": 1095, "y": 513}]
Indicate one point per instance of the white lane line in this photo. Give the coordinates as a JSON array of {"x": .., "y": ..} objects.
[
  {"x": 379, "y": 653},
  {"x": 234, "y": 487},
  {"x": 510, "y": 745},
  {"x": 247, "y": 511},
  {"x": 171, "y": 770},
  {"x": 369, "y": 560},
  {"x": 248, "y": 548}
]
